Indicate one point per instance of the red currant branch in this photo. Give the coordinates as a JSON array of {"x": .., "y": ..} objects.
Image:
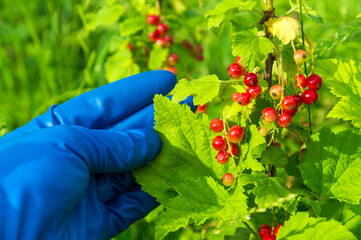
[
  {"x": 305, "y": 65},
  {"x": 251, "y": 230}
]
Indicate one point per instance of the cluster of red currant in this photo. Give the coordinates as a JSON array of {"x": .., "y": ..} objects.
[
  {"x": 226, "y": 144},
  {"x": 235, "y": 71},
  {"x": 162, "y": 39},
  {"x": 290, "y": 104},
  {"x": 265, "y": 232},
  {"x": 196, "y": 51}
]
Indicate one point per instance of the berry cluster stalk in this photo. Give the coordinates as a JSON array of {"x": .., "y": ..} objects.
[{"x": 305, "y": 66}]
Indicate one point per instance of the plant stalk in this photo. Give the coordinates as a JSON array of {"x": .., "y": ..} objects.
[
  {"x": 251, "y": 230},
  {"x": 305, "y": 66}
]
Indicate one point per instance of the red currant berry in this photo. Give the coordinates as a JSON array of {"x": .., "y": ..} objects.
[
  {"x": 200, "y": 58},
  {"x": 187, "y": 45},
  {"x": 275, "y": 232},
  {"x": 217, "y": 125},
  {"x": 251, "y": 79},
  {"x": 130, "y": 47},
  {"x": 314, "y": 82},
  {"x": 235, "y": 134},
  {"x": 276, "y": 91},
  {"x": 264, "y": 230},
  {"x": 269, "y": 237},
  {"x": 168, "y": 39},
  {"x": 298, "y": 99},
  {"x": 238, "y": 60},
  {"x": 161, "y": 42},
  {"x": 198, "y": 49},
  {"x": 236, "y": 96},
  {"x": 152, "y": 19},
  {"x": 300, "y": 56},
  {"x": 289, "y": 103},
  {"x": 235, "y": 71},
  {"x": 284, "y": 120},
  {"x": 277, "y": 144},
  {"x": 269, "y": 114},
  {"x": 300, "y": 81},
  {"x": 254, "y": 92},
  {"x": 201, "y": 108},
  {"x": 153, "y": 36},
  {"x": 290, "y": 112},
  {"x": 309, "y": 96},
  {"x": 222, "y": 157},
  {"x": 171, "y": 69},
  {"x": 162, "y": 28},
  {"x": 234, "y": 149},
  {"x": 219, "y": 143},
  {"x": 228, "y": 179},
  {"x": 173, "y": 59},
  {"x": 244, "y": 99},
  {"x": 263, "y": 131}
]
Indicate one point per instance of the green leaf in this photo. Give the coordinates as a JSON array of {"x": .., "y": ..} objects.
[
  {"x": 186, "y": 153},
  {"x": 306, "y": 10},
  {"x": 252, "y": 178},
  {"x": 203, "y": 89},
  {"x": 274, "y": 155},
  {"x": 270, "y": 193},
  {"x": 198, "y": 201},
  {"x": 332, "y": 165},
  {"x": 344, "y": 80},
  {"x": 222, "y": 11},
  {"x": 132, "y": 25},
  {"x": 120, "y": 64},
  {"x": 302, "y": 227},
  {"x": 254, "y": 139},
  {"x": 248, "y": 42},
  {"x": 291, "y": 166},
  {"x": 230, "y": 108},
  {"x": 157, "y": 57},
  {"x": 288, "y": 63},
  {"x": 107, "y": 15}
]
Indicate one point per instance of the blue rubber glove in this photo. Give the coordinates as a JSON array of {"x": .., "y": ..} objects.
[{"x": 65, "y": 175}]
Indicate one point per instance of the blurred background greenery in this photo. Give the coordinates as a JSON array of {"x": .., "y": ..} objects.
[{"x": 51, "y": 51}]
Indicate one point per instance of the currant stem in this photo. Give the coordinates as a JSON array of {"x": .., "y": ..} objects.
[
  {"x": 158, "y": 6},
  {"x": 273, "y": 219},
  {"x": 305, "y": 66},
  {"x": 251, "y": 230}
]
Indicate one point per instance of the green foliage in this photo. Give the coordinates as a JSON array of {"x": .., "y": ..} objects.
[
  {"x": 331, "y": 165},
  {"x": 132, "y": 25},
  {"x": 203, "y": 89},
  {"x": 343, "y": 78},
  {"x": 157, "y": 56},
  {"x": 274, "y": 155},
  {"x": 301, "y": 226},
  {"x": 307, "y": 10},
  {"x": 223, "y": 10},
  {"x": 270, "y": 193},
  {"x": 246, "y": 43},
  {"x": 185, "y": 176}
]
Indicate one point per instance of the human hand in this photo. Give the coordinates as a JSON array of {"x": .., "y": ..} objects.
[{"x": 66, "y": 174}]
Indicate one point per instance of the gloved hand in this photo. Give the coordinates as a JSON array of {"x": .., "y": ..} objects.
[{"x": 65, "y": 175}]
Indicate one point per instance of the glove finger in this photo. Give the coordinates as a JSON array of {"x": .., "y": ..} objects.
[
  {"x": 128, "y": 208},
  {"x": 105, "y": 105},
  {"x": 143, "y": 118},
  {"x": 108, "y": 151},
  {"x": 109, "y": 186}
]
